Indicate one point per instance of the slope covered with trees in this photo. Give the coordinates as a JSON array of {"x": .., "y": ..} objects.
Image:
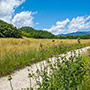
[
  {"x": 8, "y": 30},
  {"x": 74, "y": 37},
  {"x": 37, "y": 33}
]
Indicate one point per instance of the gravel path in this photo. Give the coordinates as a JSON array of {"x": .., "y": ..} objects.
[{"x": 20, "y": 78}]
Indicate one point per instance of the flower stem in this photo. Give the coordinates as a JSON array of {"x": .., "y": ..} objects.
[
  {"x": 30, "y": 83},
  {"x": 11, "y": 85}
]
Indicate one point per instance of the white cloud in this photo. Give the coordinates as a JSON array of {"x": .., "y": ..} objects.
[
  {"x": 7, "y": 8},
  {"x": 37, "y": 23},
  {"x": 23, "y": 19},
  {"x": 60, "y": 25},
  {"x": 63, "y": 23},
  {"x": 79, "y": 23},
  {"x": 76, "y": 24}
]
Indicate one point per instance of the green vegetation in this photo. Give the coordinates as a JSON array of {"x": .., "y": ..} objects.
[
  {"x": 14, "y": 61},
  {"x": 37, "y": 33},
  {"x": 8, "y": 30},
  {"x": 75, "y": 37},
  {"x": 72, "y": 74}
]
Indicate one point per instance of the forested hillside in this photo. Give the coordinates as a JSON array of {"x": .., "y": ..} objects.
[
  {"x": 30, "y": 32},
  {"x": 8, "y": 30},
  {"x": 74, "y": 37}
]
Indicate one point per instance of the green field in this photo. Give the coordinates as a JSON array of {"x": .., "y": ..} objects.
[
  {"x": 71, "y": 74},
  {"x": 18, "y": 53}
]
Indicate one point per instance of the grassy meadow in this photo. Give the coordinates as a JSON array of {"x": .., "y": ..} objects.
[
  {"x": 86, "y": 62},
  {"x": 18, "y": 53},
  {"x": 10, "y": 45},
  {"x": 72, "y": 74}
]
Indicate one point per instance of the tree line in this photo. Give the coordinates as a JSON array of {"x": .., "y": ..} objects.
[{"x": 10, "y": 31}]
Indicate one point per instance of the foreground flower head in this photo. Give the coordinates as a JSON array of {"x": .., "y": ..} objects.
[
  {"x": 55, "y": 45},
  {"x": 29, "y": 75},
  {"x": 53, "y": 49},
  {"x": 69, "y": 46},
  {"x": 37, "y": 69},
  {"x": 9, "y": 78},
  {"x": 51, "y": 65},
  {"x": 88, "y": 54},
  {"x": 51, "y": 54},
  {"x": 45, "y": 49}
]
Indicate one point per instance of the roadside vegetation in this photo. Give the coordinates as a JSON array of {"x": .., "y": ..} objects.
[
  {"x": 16, "y": 55},
  {"x": 72, "y": 73}
]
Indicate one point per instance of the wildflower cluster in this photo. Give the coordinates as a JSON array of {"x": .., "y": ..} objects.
[
  {"x": 63, "y": 73},
  {"x": 67, "y": 75}
]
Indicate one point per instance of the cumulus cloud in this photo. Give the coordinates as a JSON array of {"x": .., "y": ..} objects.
[
  {"x": 23, "y": 19},
  {"x": 63, "y": 23},
  {"x": 7, "y": 8},
  {"x": 79, "y": 23},
  {"x": 60, "y": 25},
  {"x": 76, "y": 24}
]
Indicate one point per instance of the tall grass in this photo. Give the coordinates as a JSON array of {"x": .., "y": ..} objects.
[
  {"x": 18, "y": 53},
  {"x": 86, "y": 61},
  {"x": 71, "y": 74},
  {"x": 9, "y": 45}
]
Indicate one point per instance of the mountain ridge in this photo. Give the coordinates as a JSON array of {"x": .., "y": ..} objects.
[{"x": 78, "y": 33}]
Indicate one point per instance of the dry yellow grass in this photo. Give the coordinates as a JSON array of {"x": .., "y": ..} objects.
[
  {"x": 8, "y": 45},
  {"x": 18, "y": 53}
]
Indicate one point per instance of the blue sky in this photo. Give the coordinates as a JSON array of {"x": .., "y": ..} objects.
[{"x": 56, "y": 16}]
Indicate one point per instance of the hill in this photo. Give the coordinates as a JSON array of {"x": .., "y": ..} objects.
[
  {"x": 30, "y": 32},
  {"x": 8, "y": 30}
]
